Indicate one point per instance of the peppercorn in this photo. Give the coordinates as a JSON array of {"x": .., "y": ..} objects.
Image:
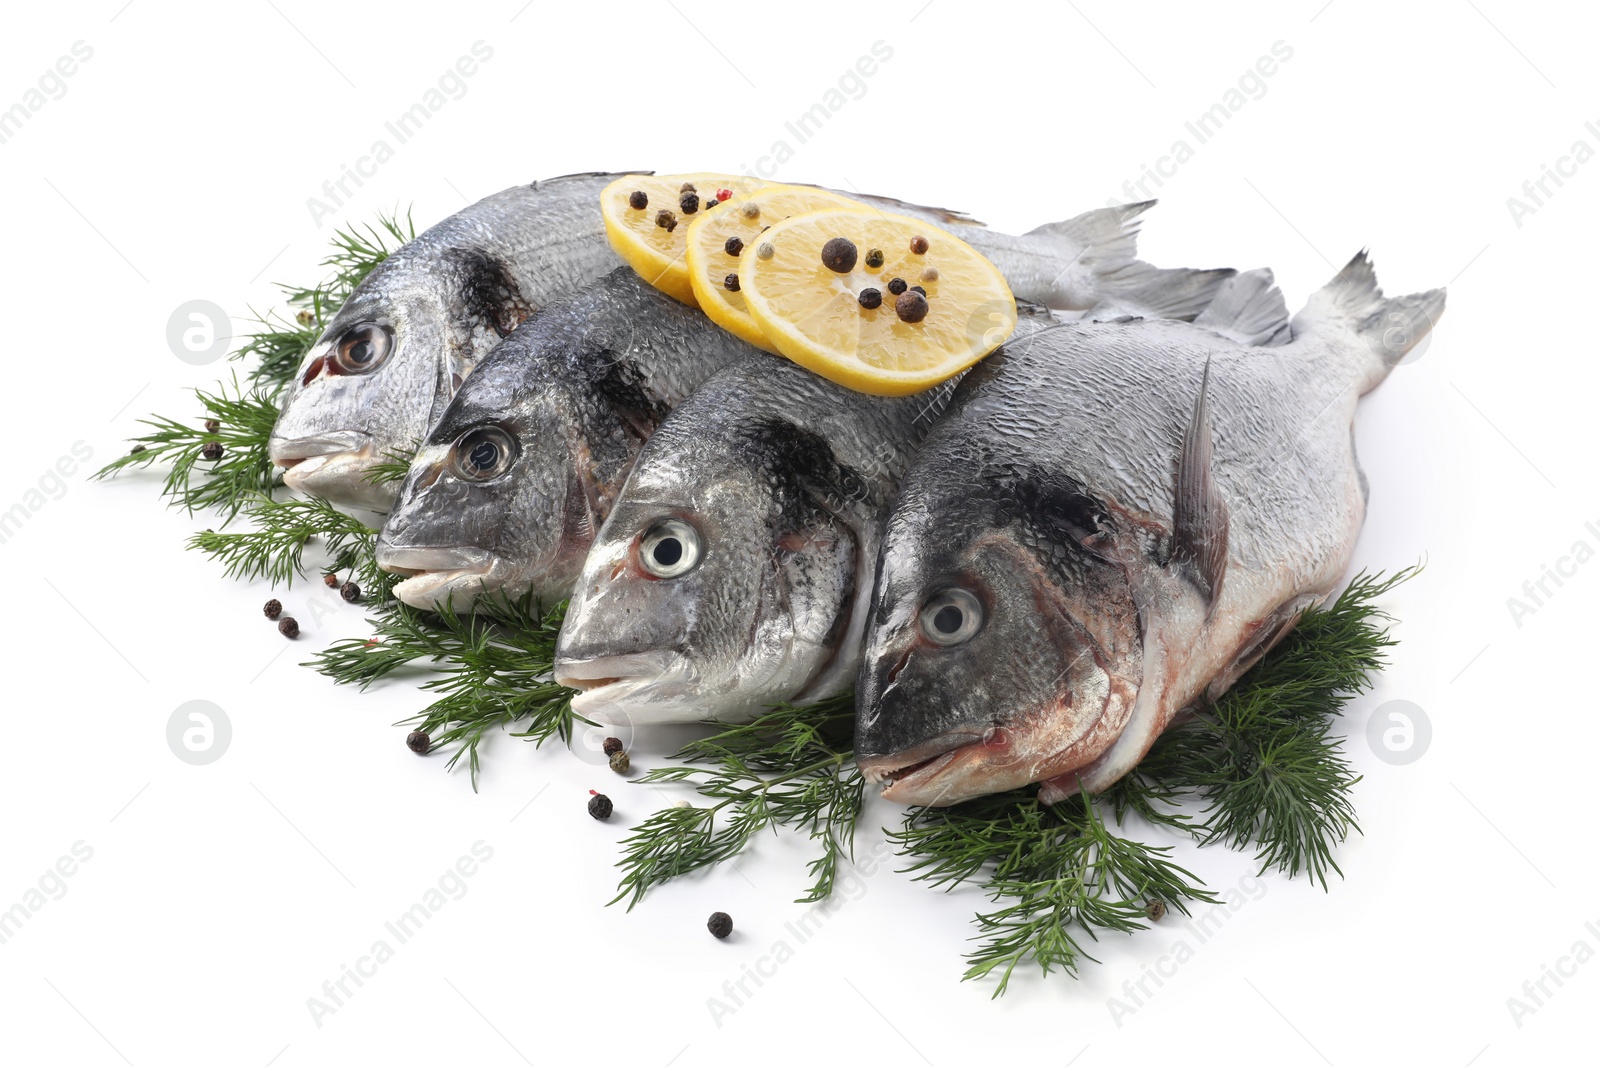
[
  {"x": 764, "y": 250},
  {"x": 330, "y": 580},
  {"x": 930, "y": 274},
  {"x": 599, "y": 805},
  {"x": 686, "y": 187},
  {"x": 720, "y": 924},
  {"x": 418, "y": 742},
  {"x": 723, "y": 194},
  {"x": 897, "y": 286},
  {"x": 305, "y": 318},
  {"x": 350, "y": 591},
  {"x": 751, "y": 211},
  {"x": 666, "y": 220},
  {"x": 918, "y": 289},
  {"x": 135, "y": 450},
  {"x": 611, "y": 745},
  {"x": 919, "y": 245},
  {"x": 211, "y": 450},
  {"x": 731, "y": 283},
  {"x": 733, "y": 246},
  {"x": 1155, "y": 909},
  {"x": 839, "y": 255},
  {"x": 870, "y": 299},
  {"x": 620, "y": 762},
  {"x": 212, "y": 426},
  {"x": 911, "y": 307},
  {"x": 272, "y": 609},
  {"x": 709, "y": 204},
  {"x": 288, "y": 627},
  {"x": 689, "y": 202},
  {"x": 875, "y": 258},
  {"x": 638, "y": 200}
]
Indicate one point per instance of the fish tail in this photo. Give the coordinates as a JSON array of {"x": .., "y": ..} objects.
[
  {"x": 1248, "y": 308},
  {"x": 1087, "y": 247},
  {"x": 1386, "y": 328}
]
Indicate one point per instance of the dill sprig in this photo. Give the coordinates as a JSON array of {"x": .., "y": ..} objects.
[
  {"x": 280, "y": 531},
  {"x": 1059, "y": 874},
  {"x": 392, "y": 468},
  {"x": 490, "y": 669},
  {"x": 792, "y": 766},
  {"x": 244, "y": 420}
]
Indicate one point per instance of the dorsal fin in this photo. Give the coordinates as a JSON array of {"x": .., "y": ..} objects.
[{"x": 1200, "y": 517}]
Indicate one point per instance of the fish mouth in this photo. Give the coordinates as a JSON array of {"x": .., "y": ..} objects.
[
  {"x": 334, "y": 466},
  {"x": 912, "y": 775},
  {"x": 444, "y": 576},
  {"x": 610, "y": 688}
]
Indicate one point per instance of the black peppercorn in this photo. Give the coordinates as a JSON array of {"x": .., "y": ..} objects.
[
  {"x": 870, "y": 299},
  {"x": 875, "y": 258},
  {"x": 288, "y": 627},
  {"x": 418, "y": 742},
  {"x": 212, "y": 426},
  {"x": 918, "y": 289},
  {"x": 733, "y": 246},
  {"x": 897, "y": 286},
  {"x": 600, "y": 805},
  {"x": 686, "y": 187},
  {"x": 689, "y": 202},
  {"x": 731, "y": 283},
  {"x": 135, "y": 450},
  {"x": 1155, "y": 909},
  {"x": 212, "y": 450},
  {"x": 611, "y": 745},
  {"x": 919, "y": 245},
  {"x": 720, "y": 924},
  {"x": 839, "y": 255},
  {"x": 350, "y": 591},
  {"x": 272, "y": 609},
  {"x": 637, "y": 200},
  {"x": 911, "y": 307},
  {"x": 666, "y": 220}
]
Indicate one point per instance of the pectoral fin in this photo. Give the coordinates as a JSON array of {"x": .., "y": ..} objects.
[{"x": 1200, "y": 517}]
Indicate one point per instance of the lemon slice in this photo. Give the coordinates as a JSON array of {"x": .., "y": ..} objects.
[
  {"x": 804, "y": 280},
  {"x": 652, "y": 243},
  {"x": 717, "y": 241}
]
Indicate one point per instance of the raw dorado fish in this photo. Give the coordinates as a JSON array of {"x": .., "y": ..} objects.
[{"x": 1110, "y": 525}]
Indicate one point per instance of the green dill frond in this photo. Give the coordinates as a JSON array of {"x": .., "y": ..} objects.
[
  {"x": 391, "y": 469},
  {"x": 275, "y": 545},
  {"x": 244, "y": 418},
  {"x": 489, "y": 670},
  {"x": 792, "y": 767}
]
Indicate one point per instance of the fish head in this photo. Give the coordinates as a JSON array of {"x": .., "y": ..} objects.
[
  {"x": 384, "y": 369},
  {"x": 1004, "y": 643},
  {"x": 497, "y": 500},
  {"x": 719, "y": 582}
]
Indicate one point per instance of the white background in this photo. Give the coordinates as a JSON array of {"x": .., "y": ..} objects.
[{"x": 218, "y": 899}]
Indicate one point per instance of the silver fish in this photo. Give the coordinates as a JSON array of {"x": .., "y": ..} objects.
[
  {"x": 393, "y": 356},
  {"x": 578, "y": 387},
  {"x": 1109, "y": 526},
  {"x": 734, "y": 570}
]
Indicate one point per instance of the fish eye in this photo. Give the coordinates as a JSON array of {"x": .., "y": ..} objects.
[
  {"x": 951, "y": 617},
  {"x": 484, "y": 453},
  {"x": 669, "y": 549},
  {"x": 363, "y": 347}
]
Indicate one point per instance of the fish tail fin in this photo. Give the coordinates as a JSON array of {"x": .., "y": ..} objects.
[
  {"x": 1144, "y": 291},
  {"x": 1249, "y": 309},
  {"x": 1085, "y": 248},
  {"x": 1386, "y": 328}
]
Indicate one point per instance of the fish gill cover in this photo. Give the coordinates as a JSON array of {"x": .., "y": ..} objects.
[{"x": 1262, "y": 768}]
